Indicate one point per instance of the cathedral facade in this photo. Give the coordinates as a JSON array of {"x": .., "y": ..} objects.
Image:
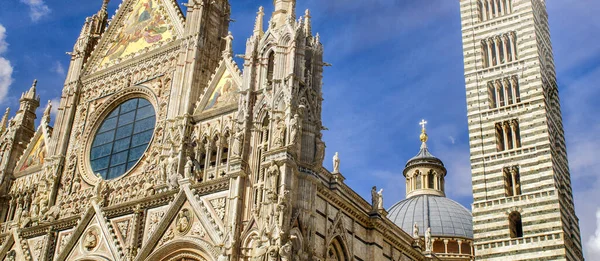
[{"x": 163, "y": 149}]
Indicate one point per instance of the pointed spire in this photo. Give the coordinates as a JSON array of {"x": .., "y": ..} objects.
[
  {"x": 4, "y": 121},
  {"x": 259, "y": 24},
  {"x": 105, "y": 5},
  {"x": 47, "y": 112},
  {"x": 307, "y": 23},
  {"x": 31, "y": 94}
]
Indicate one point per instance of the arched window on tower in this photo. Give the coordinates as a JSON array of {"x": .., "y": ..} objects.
[
  {"x": 419, "y": 179},
  {"x": 512, "y": 181},
  {"x": 430, "y": 180},
  {"x": 271, "y": 67},
  {"x": 515, "y": 225}
]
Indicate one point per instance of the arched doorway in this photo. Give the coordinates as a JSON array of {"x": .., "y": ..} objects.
[{"x": 181, "y": 250}]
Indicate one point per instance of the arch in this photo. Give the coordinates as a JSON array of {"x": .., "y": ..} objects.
[
  {"x": 246, "y": 250},
  {"x": 270, "y": 66},
  {"x": 430, "y": 180},
  {"x": 182, "y": 248},
  {"x": 515, "y": 224},
  {"x": 94, "y": 258},
  {"x": 337, "y": 251}
]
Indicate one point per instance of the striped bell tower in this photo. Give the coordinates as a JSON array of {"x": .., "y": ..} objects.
[{"x": 523, "y": 204}]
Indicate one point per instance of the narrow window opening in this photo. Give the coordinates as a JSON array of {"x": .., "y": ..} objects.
[
  {"x": 515, "y": 225},
  {"x": 271, "y": 67}
]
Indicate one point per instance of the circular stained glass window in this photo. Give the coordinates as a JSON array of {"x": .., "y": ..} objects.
[{"x": 122, "y": 138}]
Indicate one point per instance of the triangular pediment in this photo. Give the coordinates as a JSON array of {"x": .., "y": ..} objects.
[
  {"x": 223, "y": 90},
  {"x": 138, "y": 27},
  {"x": 35, "y": 154},
  {"x": 91, "y": 238},
  {"x": 186, "y": 219}
]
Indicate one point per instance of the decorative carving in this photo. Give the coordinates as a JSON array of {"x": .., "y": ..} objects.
[
  {"x": 198, "y": 230},
  {"x": 90, "y": 239},
  {"x": 286, "y": 251},
  {"x": 172, "y": 170},
  {"x": 294, "y": 128},
  {"x": 154, "y": 218},
  {"x": 219, "y": 207},
  {"x": 184, "y": 221}
]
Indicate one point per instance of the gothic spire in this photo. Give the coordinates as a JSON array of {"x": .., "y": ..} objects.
[
  {"x": 258, "y": 25},
  {"x": 31, "y": 94},
  {"x": 47, "y": 111},
  {"x": 4, "y": 121},
  {"x": 307, "y": 25}
]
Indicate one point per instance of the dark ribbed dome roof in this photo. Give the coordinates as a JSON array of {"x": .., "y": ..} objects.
[
  {"x": 424, "y": 156},
  {"x": 446, "y": 217}
]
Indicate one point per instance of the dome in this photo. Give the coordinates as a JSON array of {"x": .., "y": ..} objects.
[
  {"x": 446, "y": 217},
  {"x": 424, "y": 157}
]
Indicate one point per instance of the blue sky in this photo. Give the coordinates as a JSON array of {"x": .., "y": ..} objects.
[{"x": 394, "y": 63}]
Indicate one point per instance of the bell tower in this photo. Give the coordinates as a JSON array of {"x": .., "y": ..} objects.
[{"x": 523, "y": 201}]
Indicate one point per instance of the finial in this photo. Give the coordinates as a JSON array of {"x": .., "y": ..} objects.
[
  {"x": 48, "y": 110},
  {"x": 105, "y": 4},
  {"x": 34, "y": 84},
  {"x": 258, "y": 25},
  {"x": 4, "y": 120},
  {"x": 423, "y": 136},
  {"x": 307, "y": 25}
]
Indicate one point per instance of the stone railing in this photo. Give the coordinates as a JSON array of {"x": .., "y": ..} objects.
[
  {"x": 503, "y": 201},
  {"x": 517, "y": 241}
]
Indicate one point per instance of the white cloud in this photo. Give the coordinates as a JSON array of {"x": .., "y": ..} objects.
[
  {"x": 593, "y": 245},
  {"x": 6, "y": 68},
  {"x": 37, "y": 9},
  {"x": 59, "y": 69}
]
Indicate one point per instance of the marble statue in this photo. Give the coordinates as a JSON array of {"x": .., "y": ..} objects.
[{"x": 336, "y": 163}]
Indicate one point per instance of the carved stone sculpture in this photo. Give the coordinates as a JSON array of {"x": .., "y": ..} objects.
[
  {"x": 280, "y": 134},
  {"x": 273, "y": 177},
  {"x": 336, "y": 163},
  {"x": 416, "y": 230},
  {"x": 99, "y": 187},
  {"x": 90, "y": 240},
  {"x": 237, "y": 142},
  {"x": 374, "y": 199},
  {"x": 294, "y": 129},
  {"x": 184, "y": 221},
  {"x": 380, "y": 200},
  {"x": 428, "y": 240},
  {"x": 285, "y": 252},
  {"x": 189, "y": 165}
]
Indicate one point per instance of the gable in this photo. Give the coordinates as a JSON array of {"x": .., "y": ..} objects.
[
  {"x": 223, "y": 91},
  {"x": 139, "y": 25},
  {"x": 33, "y": 158}
]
